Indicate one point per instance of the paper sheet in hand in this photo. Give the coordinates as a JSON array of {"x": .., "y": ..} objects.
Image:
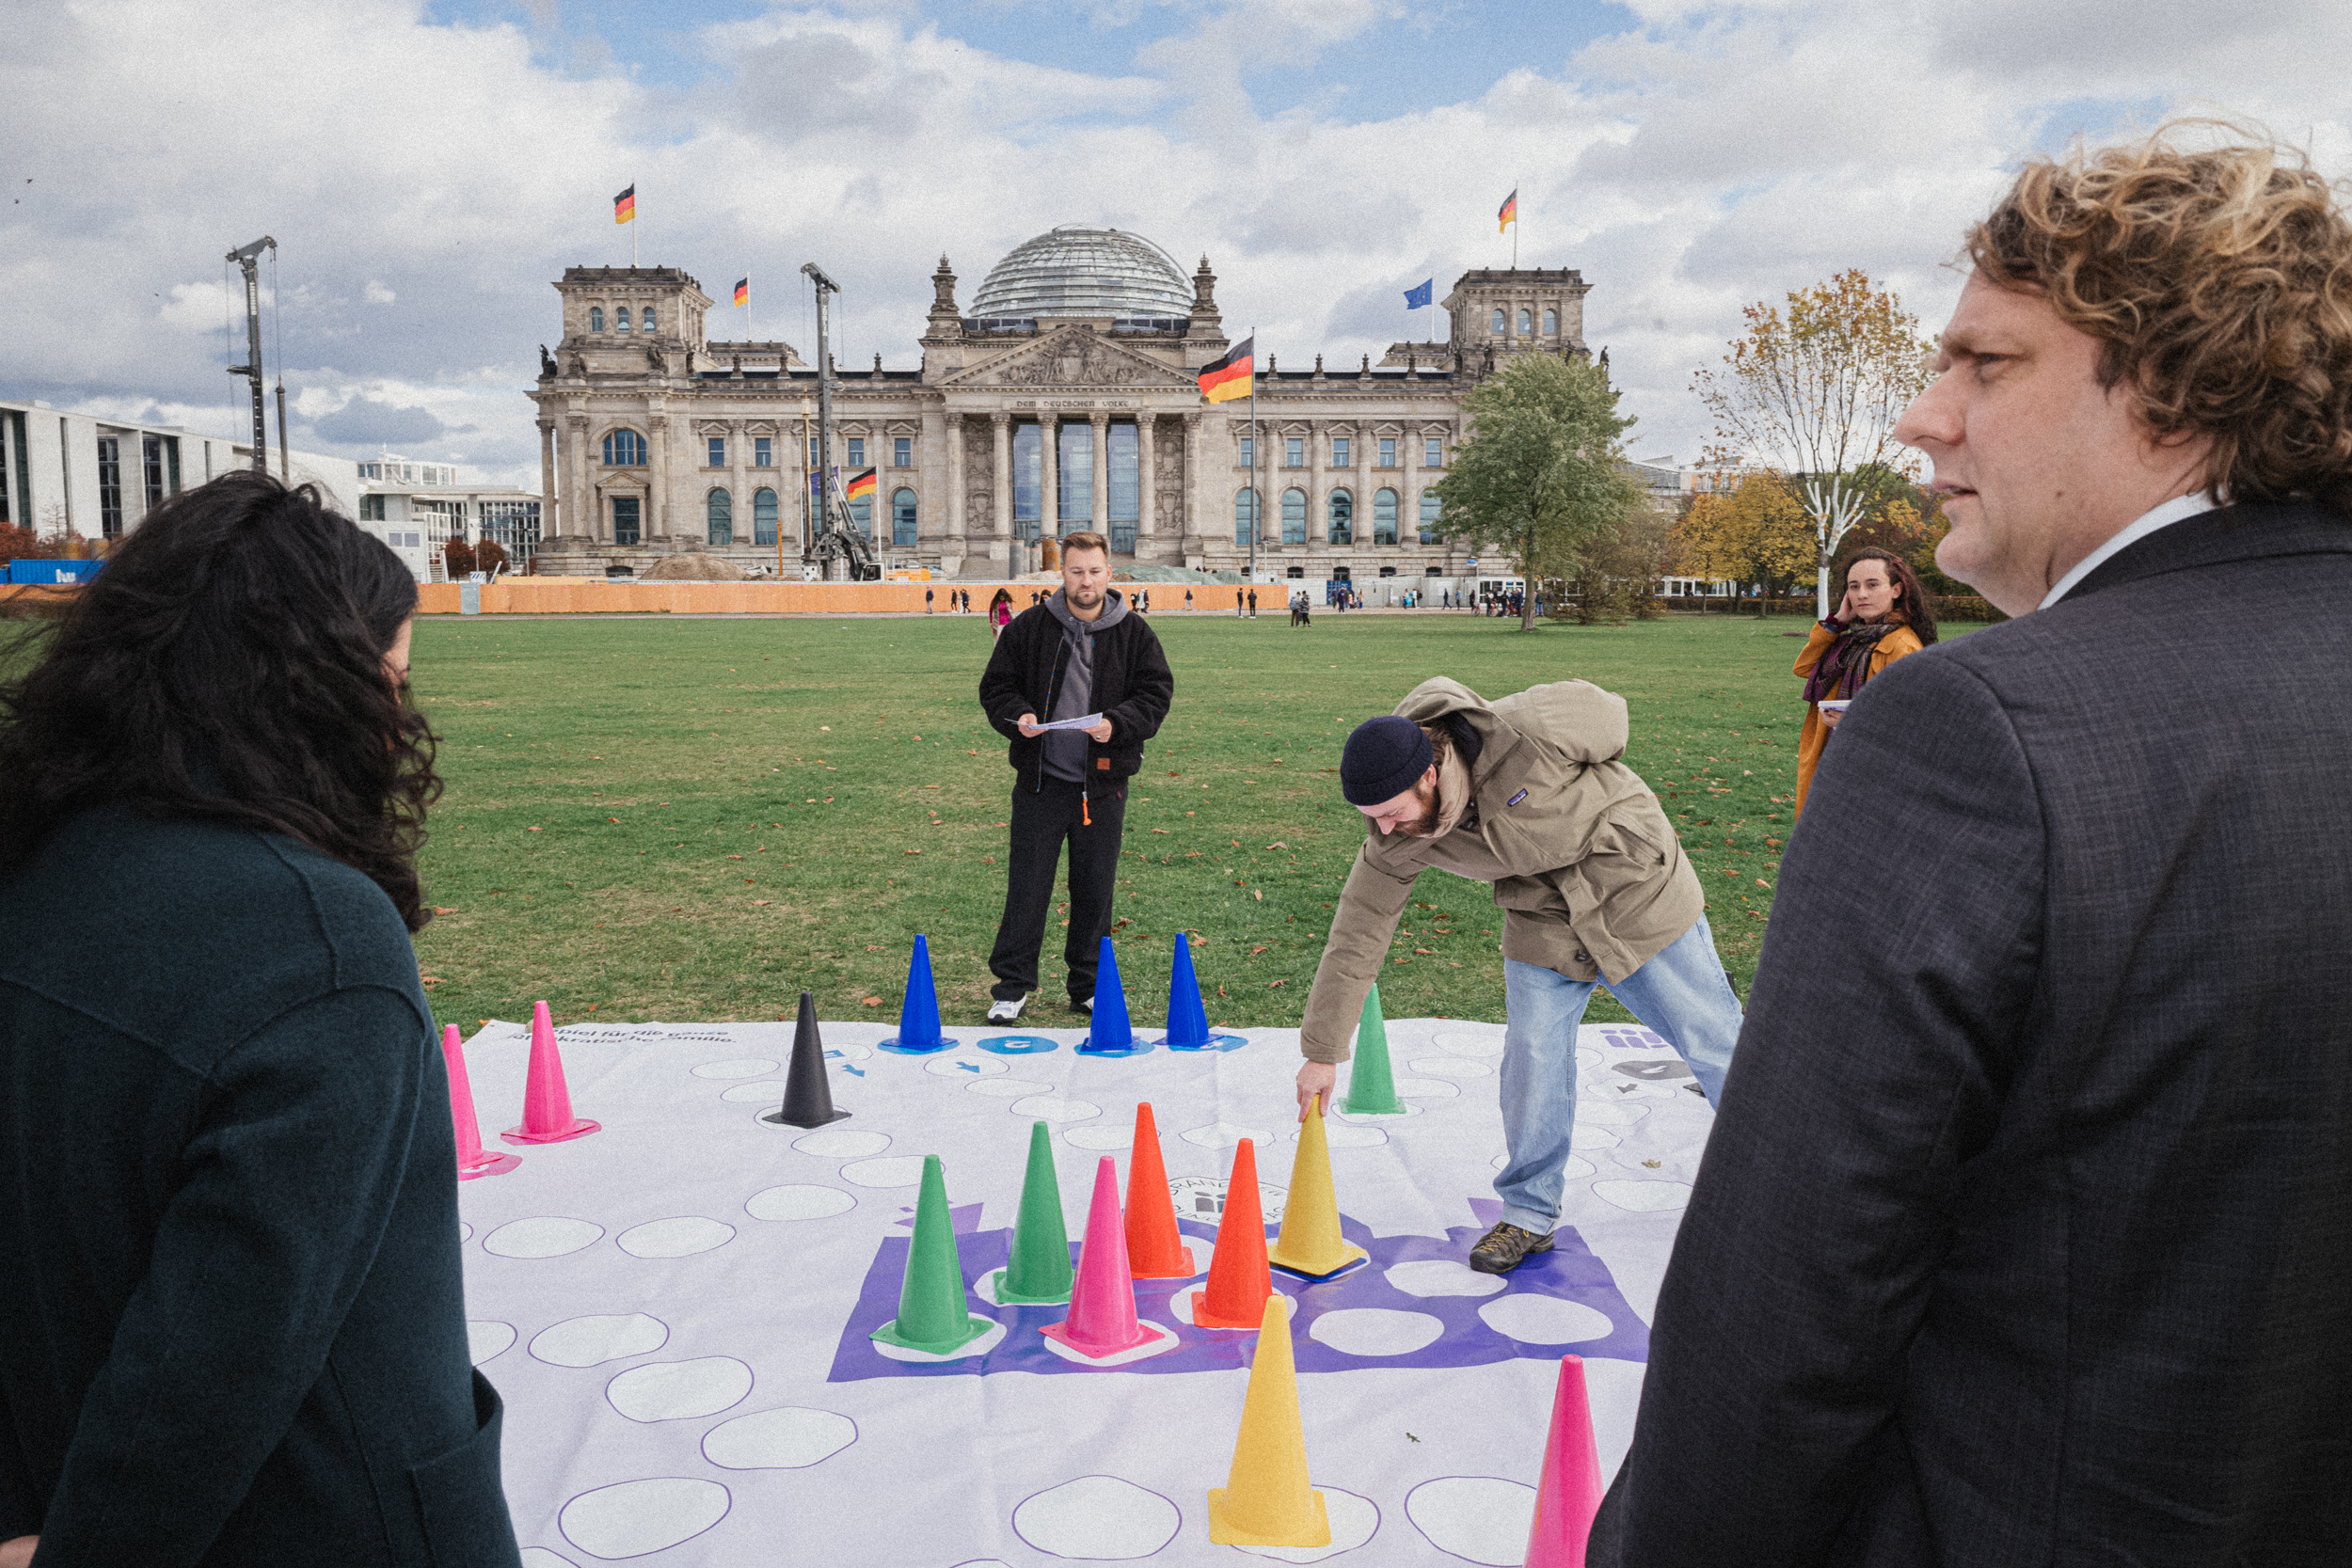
[{"x": 1084, "y": 721}]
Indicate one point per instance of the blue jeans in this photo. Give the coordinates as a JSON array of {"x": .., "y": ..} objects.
[{"x": 1681, "y": 994}]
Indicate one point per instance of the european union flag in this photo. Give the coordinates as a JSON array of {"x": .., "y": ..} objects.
[{"x": 1416, "y": 298}]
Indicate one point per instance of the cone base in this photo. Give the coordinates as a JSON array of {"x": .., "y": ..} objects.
[
  {"x": 1351, "y": 1258},
  {"x": 1252, "y": 1319},
  {"x": 1215, "y": 1042},
  {"x": 780, "y": 1118},
  {"x": 1392, "y": 1109},
  {"x": 489, "y": 1163},
  {"x": 975, "y": 1325},
  {"x": 1132, "y": 1048},
  {"x": 1315, "y": 1531},
  {"x": 1138, "y": 1271},
  {"x": 1019, "y": 1045},
  {"x": 1150, "y": 1338},
  {"x": 1007, "y": 1296},
  {"x": 578, "y": 1129},
  {"x": 896, "y": 1049}
]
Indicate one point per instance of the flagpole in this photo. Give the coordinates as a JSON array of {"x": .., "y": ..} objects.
[
  {"x": 1515, "y": 225},
  {"x": 633, "y": 227},
  {"x": 1257, "y": 501}
]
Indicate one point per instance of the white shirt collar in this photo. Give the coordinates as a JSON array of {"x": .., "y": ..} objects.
[{"x": 2162, "y": 516}]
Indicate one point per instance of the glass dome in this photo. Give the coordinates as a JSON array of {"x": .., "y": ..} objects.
[{"x": 1084, "y": 269}]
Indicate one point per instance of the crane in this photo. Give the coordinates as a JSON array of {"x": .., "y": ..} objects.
[{"x": 247, "y": 259}]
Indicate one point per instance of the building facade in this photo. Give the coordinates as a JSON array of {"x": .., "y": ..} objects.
[
  {"x": 418, "y": 508},
  {"x": 1065, "y": 399}
]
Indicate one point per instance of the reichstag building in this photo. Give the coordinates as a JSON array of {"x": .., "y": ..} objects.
[{"x": 1063, "y": 399}]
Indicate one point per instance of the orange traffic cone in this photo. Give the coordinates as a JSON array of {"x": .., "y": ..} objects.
[
  {"x": 1155, "y": 1250},
  {"x": 1239, "y": 1281}
]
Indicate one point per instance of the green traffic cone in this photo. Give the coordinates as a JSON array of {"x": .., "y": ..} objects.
[
  {"x": 1371, "y": 1089},
  {"x": 932, "y": 1315},
  {"x": 1040, "y": 1274}
]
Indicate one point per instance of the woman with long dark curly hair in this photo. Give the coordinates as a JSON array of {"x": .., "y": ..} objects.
[
  {"x": 1883, "y": 616},
  {"x": 231, "y": 1322}
]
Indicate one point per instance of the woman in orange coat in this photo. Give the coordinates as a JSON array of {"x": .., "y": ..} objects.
[{"x": 1882, "y": 617}]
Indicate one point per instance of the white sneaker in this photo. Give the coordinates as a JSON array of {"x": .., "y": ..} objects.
[
  {"x": 1007, "y": 1012},
  {"x": 1085, "y": 1006}
]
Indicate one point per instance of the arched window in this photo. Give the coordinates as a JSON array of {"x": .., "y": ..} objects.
[
  {"x": 720, "y": 509},
  {"x": 1294, "y": 517},
  {"x": 1552, "y": 322},
  {"x": 646, "y": 325},
  {"x": 596, "y": 318},
  {"x": 902, "y": 519},
  {"x": 1343, "y": 509},
  {"x": 1383, "y": 517},
  {"x": 623, "y": 449},
  {"x": 1498, "y": 326},
  {"x": 1524, "y": 327},
  {"x": 620, "y": 320},
  {"x": 1430, "y": 507},
  {"x": 1245, "y": 517},
  {"x": 762, "y": 517}
]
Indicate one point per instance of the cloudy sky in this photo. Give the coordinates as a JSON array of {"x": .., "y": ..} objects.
[{"x": 428, "y": 168}]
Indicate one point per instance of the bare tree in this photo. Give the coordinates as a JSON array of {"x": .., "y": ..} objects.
[{"x": 1815, "y": 394}]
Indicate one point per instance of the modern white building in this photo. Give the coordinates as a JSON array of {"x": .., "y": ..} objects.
[{"x": 418, "y": 508}]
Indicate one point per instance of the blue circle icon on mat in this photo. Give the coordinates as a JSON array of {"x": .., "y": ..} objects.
[{"x": 1018, "y": 1045}]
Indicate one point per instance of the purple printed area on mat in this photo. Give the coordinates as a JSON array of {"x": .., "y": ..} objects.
[{"x": 1568, "y": 1272}]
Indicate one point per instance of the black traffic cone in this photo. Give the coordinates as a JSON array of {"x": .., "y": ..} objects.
[{"x": 807, "y": 1095}]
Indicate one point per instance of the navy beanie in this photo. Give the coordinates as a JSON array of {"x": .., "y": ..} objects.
[{"x": 1384, "y": 758}]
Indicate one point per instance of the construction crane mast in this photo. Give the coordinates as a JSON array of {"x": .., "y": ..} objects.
[{"x": 247, "y": 259}]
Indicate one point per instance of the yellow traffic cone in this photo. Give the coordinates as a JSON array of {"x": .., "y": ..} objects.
[
  {"x": 1266, "y": 1500},
  {"x": 1310, "y": 1244}
]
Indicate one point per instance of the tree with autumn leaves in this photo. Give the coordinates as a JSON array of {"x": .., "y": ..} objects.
[{"x": 1810, "y": 394}]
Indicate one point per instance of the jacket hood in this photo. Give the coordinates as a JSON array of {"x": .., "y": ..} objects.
[
  {"x": 1114, "y": 611},
  {"x": 1575, "y": 718}
]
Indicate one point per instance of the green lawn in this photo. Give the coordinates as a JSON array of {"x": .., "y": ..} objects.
[{"x": 694, "y": 820}]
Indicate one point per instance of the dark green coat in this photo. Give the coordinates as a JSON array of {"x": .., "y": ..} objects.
[{"x": 231, "y": 1305}]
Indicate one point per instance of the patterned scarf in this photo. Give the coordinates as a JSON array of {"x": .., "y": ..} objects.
[{"x": 1846, "y": 664}]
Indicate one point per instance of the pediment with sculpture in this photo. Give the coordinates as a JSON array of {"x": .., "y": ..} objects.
[{"x": 1072, "y": 357}]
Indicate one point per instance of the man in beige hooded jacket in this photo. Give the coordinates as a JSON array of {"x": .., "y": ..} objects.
[{"x": 1530, "y": 792}]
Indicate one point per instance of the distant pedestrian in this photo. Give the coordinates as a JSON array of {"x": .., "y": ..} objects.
[
  {"x": 1187, "y": 598},
  {"x": 1884, "y": 616},
  {"x": 1237, "y": 604},
  {"x": 1253, "y": 604},
  {"x": 927, "y": 601},
  {"x": 999, "y": 613}
]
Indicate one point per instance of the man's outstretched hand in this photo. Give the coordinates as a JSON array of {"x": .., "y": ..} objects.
[{"x": 1315, "y": 1078}]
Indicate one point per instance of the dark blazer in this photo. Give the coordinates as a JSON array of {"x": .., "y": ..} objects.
[
  {"x": 2025, "y": 1234},
  {"x": 1133, "y": 688},
  {"x": 232, "y": 1310}
]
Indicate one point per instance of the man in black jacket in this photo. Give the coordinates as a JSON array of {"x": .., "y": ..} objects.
[
  {"x": 2025, "y": 1235},
  {"x": 1079, "y": 654}
]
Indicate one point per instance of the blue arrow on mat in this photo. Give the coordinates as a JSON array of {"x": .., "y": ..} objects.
[
  {"x": 858, "y": 1071},
  {"x": 969, "y": 1067}
]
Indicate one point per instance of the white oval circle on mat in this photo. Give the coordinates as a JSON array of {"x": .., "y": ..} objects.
[
  {"x": 674, "y": 1390},
  {"x": 485, "y": 1340},
  {"x": 1534, "y": 1319},
  {"x": 845, "y": 1052},
  {"x": 1587, "y": 1056},
  {"x": 768, "y": 1093},
  {"x": 539, "y": 1557},
  {"x": 791, "y": 1438},
  {"x": 1098, "y": 1518},
  {"x": 1224, "y": 1134},
  {"x": 1593, "y": 1137},
  {"x": 681, "y": 1237},
  {"x": 799, "y": 1203},
  {"x": 1353, "y": 1135},
  {"x": 1443, "y": 1276},
  {"x": 1452, "y": 1067},
  {"x": 899, "y": 1170},
  {"x": 743, "y": 1067},
  {"x": 1481, "y": 1519},
  {"x": 1570, "y": 1168},
  {"x": 1425, "y": 1087},
  {"x": 1612, "y": 1113},
  {"x": 586, "y": 1341},
  {"x": 833, "y": 1143},
  {"x": 968, "y": 1067},
  {"x": 465, "y": 1233},
  {"x": 1101, "y": 1139},
  {"x": 550, "y": 1237},
  {"x": 1353, "y": 1521},
  {"x": 1046, "y": 1108},
  {"x": 1006, "y": 1089},
  {"x": 1375, "y": 1331},
  {"x": 637, "y": 1517},
  {"x": 1468, "y": 1045},
  {"x": 1644, "y": 1198}
]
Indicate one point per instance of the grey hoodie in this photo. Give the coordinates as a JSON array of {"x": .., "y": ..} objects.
[{"x": 1065, "y": 755}]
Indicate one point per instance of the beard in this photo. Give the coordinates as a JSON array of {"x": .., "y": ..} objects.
[{"x": 1426, "y": 825}]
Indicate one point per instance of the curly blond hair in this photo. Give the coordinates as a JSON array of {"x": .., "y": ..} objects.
[{"x": 2221, "y": 284}]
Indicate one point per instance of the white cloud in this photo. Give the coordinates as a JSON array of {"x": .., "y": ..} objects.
[{"x": 376, "y": 294}]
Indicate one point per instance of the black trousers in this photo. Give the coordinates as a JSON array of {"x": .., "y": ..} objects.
[{"x": 1040, "y": 822}]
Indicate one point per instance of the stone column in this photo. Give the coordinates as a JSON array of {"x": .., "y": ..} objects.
[
  {"x": 1101, "y": 519},
  {"x": 1188, "y": 523},
  {"x": 656, "y": 478},
  {"x": 582, "y": 501},
  {"x": 1049, "y": 456},
  {"x": 953, "y": 423},
  {"x": 1147, "y": 481},
  {"x": 1318, "y": 505},
  {"x": 1001, "y": 423},
  {"x": 740, "y": 509},
  {"x": 547, "y": 476}
]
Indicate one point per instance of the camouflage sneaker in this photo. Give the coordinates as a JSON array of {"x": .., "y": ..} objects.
[{"x": 1504, "y": 1248}]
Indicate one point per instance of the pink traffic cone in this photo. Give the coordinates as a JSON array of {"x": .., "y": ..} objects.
[
  {"x": 472, "y": 1159},
  {"x": 1102, "y": 1319},
  {"x": 1568, "y": 1493},
  {"x": 547, "y": 1103}
]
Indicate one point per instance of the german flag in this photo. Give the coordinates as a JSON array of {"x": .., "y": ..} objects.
[
  {"x": 861, "y": 487},
  {"x": 742, "y": 292},
  {"x": 625, "y": 206},
  {"x": 1232, "y": 376},
  {"x": 1510, "y": 212}
]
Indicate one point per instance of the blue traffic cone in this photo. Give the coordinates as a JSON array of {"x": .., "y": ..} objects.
[
  {"x": 1112, "y": 1034},
  {"x": 1187, "y": 1018},
  {"x": 918, "y": 1015}
]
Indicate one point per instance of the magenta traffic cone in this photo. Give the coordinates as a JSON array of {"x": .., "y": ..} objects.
[
  {"x": 547, "y": 1101},
  {"x": 1101, "y": 1320},
  {"x": 1568, "y": 1493},
  {"x": 472, "y": 1159}
]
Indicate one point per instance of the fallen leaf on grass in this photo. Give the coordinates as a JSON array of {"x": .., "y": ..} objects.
[
  {"x": 1259, "y": 948},
  {"x": 612, "y": 819},
  {"x": 1200, "y": 940},
  {"x": 750, "y": 882},
  {"x": 531, "y": 830},
  {"x": 1651, "y": 1164},
  {"x": 438, "y": 910},
  {"x": 735, "y": 857},
  {"x": 1278, "y": 843},
  {"x": 914, "y": 851},
  {"x": 760, "y": 901},
  {"x": 1271, "y": 984},
  {"x": 1259, "y": 893},
  {"x": 1221, "y": 990},
  {"x": 1400, "y": 960},
  {"x": 873, "y": 948},
  {"x": 1424, "y": 952},
  {"x": 873, "y": 1002},
  {"x": 1159, "y": 829}
]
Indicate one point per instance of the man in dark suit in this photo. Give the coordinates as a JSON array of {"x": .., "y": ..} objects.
[{"x": 2025, "y": 1236}]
